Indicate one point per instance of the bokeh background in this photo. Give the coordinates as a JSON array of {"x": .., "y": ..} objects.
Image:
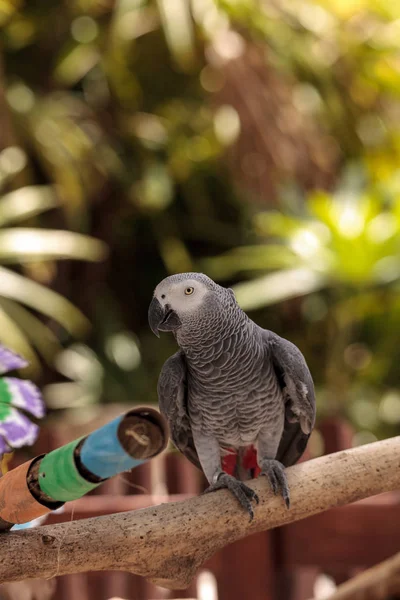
[{"x": 256, "y": 141}]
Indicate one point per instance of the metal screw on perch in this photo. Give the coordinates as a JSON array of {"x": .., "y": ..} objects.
[{"x": 47, "y": 481}]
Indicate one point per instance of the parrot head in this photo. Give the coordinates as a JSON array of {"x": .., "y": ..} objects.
[{"x": 177, "y": 299}]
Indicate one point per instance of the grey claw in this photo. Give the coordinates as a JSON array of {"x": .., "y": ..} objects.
[
  {"x": 242, "y": 492},
  {"x": 275, "y": 472},
  {"x": 273, "y": 481},
  {"x": 250, "y": 493}
]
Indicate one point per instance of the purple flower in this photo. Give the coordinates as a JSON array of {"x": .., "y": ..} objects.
[{"x": 17, "y": 397}]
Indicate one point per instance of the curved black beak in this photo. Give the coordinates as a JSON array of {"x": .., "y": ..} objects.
[{"x": 162, "y": 318}]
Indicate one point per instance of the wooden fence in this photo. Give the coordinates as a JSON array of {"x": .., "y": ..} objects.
[{"x": 278, "y": 565}]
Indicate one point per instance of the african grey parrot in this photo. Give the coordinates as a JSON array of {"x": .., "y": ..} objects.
[{"x": 232, "y": 385}]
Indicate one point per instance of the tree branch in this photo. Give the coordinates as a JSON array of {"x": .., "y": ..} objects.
[
  {"x": 169, "y": 542},
  {"x": 381, "y": 582}
]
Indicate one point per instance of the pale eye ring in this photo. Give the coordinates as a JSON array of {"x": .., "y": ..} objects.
[{"x": 189, "y": 290}]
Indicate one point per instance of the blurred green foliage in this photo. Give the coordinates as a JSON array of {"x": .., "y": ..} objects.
[
  {"x": 31, "y": 247},
  {"x": 258, "y": 142}
]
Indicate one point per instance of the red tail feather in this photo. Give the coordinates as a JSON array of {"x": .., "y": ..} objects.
[{"x": 249, "y": 461}]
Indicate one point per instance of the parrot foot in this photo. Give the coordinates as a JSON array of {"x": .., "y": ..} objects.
[
  {"x": 275, "y": 472},
  {"x": 242, "y": 492}
]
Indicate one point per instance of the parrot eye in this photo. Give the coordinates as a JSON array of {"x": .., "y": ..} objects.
[{"x": 189, "y": 290}]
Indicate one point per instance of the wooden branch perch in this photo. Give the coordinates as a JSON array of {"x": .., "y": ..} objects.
[
  {"x": 169, "y": 542},
  {"x": 381, "y": 582}
]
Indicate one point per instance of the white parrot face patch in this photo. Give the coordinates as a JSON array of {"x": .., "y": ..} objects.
[{"x": 184, "y": 297}]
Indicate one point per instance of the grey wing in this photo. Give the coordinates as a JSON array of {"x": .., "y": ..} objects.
[
  {"x": 298, "y": 387},
  {"x": 172, "y": 399}
]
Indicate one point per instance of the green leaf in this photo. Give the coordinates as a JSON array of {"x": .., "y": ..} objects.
[
  {"x": 26, "y": 202},
  {"x": 44, "y": 300},
  {"x": 249, "y": 258},
  {"x": 178, "y": 28},
  {"x": 28, "y": 244},
  {"x": 77, "y": 62},
  {"x": 276, "y": 224},
  {"x": 35, "y": 331},
  {"x": 277, "y": 287}
]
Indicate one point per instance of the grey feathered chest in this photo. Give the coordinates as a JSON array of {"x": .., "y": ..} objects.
[{"x": 232, "y": 389}]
